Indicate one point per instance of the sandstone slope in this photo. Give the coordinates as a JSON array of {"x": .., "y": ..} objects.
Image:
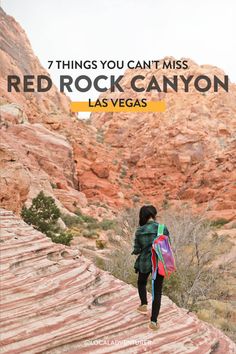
[{"x": 53, "y": 300}]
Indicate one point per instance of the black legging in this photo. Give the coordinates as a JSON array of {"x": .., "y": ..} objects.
[{"x": 156, "y": 303}]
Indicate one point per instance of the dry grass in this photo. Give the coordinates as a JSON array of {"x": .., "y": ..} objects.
[{"x": 221, "y": 314}]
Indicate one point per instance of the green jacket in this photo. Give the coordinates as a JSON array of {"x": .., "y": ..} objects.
[{"x": 143, "y": 240}]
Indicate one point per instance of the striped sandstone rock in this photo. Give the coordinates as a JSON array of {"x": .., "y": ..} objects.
[{"x": 53, "y": 300}]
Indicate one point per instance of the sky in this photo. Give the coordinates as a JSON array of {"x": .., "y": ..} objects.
[{"x": 203, "y": 30}]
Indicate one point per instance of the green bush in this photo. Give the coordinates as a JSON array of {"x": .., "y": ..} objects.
[
  {"x": 107, "y": 224},
  {"x": 80, "y": 219},
  {"x": 63, "y": 238},
  {"x": 100, "y": 244},
  {"x": 90, "y": 234},
  {"x": 85, "y": 218},
  {"x": 218, "y": 222},
  {"x": 123, "y": 172},
  {"x": 53, "y": 185},
  {"x": 70, "y": 220},
  {"x": 92, "y": 225},
  {"x": 88, "y": 224},
  {"x": 43, "y": 215}
]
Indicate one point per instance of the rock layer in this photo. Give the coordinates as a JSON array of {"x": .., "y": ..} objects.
[
  {"x": 53, "y": 300},
  {"x": 33, "y": 158}
]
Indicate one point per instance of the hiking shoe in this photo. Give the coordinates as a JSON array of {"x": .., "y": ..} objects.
[
  {"x": 154, "y": 326},
  {"x": 142, "y": 309}
]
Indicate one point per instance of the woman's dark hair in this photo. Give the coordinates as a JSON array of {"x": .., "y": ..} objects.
[{"x": 145, "y": 213}]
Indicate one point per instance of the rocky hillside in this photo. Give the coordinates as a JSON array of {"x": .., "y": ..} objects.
[
  {"x": 186, "y": 154},
  {"x": 183, "y": 155},
  {"x": 44, "y": 146},
  {"x": 53, "y": 300}
]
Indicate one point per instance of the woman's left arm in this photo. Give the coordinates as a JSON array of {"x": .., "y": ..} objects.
[{"x": 166, "y": 232}]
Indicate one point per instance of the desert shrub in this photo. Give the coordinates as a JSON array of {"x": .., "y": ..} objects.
[
  {"x": 218, "y": 222},
  {"x": 107, "y": 224},
  {"x": 195, "y": 249},
  {"x": 100, "y": 244},
  {"x": 53, "y": 185},
  {"x": 92, "y": 225},
  {"x": 123, "y": 172},
  {"x": 83, "y": 218},
  {"x": 63, "y": 238},
  {"x": 205, "y": 315},
  {"x": 80, "y": 219},
  {"x": 43, "y": 215},
  {"x": 88, "y": 222},
  {"x": 121, "y": 266},
  {"x": 121, "y": 263},
  {"x": 70, "y": 220},
  {"x": 226, "y": 326},
  {"x": 90, "y": 234}
]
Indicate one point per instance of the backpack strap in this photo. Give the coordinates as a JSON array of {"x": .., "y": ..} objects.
[{"x": 160, "y": 229}]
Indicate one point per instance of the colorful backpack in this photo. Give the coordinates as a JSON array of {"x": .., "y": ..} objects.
[{"x": 164, "y": 263}]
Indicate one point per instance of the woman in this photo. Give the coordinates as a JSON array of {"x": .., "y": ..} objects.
[{"x": 144, "y": 236}]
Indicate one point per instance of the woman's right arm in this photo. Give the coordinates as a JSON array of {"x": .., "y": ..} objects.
[{"x": 136, "y": 247}]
